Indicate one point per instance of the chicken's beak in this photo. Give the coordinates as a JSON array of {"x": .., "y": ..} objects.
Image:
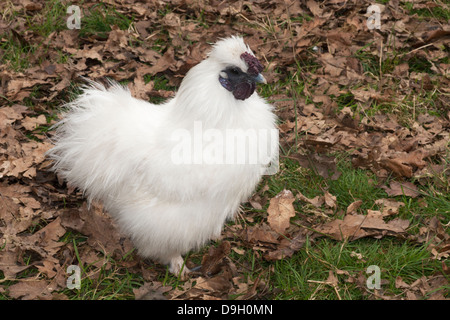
[{"x": 260, "y": 78}]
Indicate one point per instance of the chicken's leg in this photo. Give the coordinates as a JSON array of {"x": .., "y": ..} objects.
[{"x": 178, "y": 267}]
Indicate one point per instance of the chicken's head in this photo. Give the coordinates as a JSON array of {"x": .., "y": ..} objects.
[{"x": 240, "y": 69}]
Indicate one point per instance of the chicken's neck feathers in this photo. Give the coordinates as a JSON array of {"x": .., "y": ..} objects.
[{"x": 201, "y": 98}]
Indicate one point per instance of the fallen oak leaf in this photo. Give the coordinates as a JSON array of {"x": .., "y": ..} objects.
[
  {"x": 216, "y": 284},
  {"x": 139, "y": 88},
  {"x": 348, "y": 228},
  {"x": 30, "y": 290},
  {"x": 389, "y": 206},
  {"x": 288, "y": 247},
  {"x": 330, "y": 200},
  {"x": 212, "y": 261},
  {"x": 375, "y": 221},
  {"x": 86, "y": 52},
  {"x": 31, "y": 123},
  {"x": 316, "y": 201},
  {"x": 165, "y": 62},
  {"x": 151, "y": 291},
  {"x": 101, "y": 230},
  {"x": 402, "y": 165},
  {"x": 20, "y": 88},
  {"x": 8, "y": 115},
  {"x": 280, "y": 211},
  {"x": 352, "y": 207},
  {"x": 45, "y": 242},
  {"x": 400, "y": 284},
  {"x": 396, "y": 166},
  {"x": 9, "y": 263},
  {"x": 49, "y": 268},
  {"x": 314, "y": 8},
  {"x": 401, "y": 70},
  {"x": 332, "y": 281},
  {"x": 436, "y": 237},
  {"x": 401, "y": 189},
  {"x": 354, "y": 227},
  {"x": 323, "y": 165},
  {"x": 261, "y": 234}
]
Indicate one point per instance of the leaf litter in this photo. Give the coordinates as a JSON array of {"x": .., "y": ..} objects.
[{"x": 345, "y": 63}]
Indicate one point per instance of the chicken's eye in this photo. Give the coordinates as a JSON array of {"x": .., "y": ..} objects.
[{"x": 235, "y": 71}]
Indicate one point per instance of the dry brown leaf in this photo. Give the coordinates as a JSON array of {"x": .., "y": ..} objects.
[
  {"x": 218, "y": 283},
  {"x": 94, "y": 52},
  {"x": 139, "y": 88},
  {"x": 396, "y": 165},
  {"x": 21, "y": 87},
  {"x": 352, "y": 207},
  {"x": 213, "y": 260},
  {"x": 100, "y": 229},
  {"x": 330, "y": 200},
  {"x": 260, "y": 234},
  {"x": 288, "y": 247},
  {"x": 151, "y": 291},
  {"x": 31, "y": 123},
  {"x": 437, "y": 238},
  {"x": 314, "y": 8},
  {"x": 353, "y": 227},
  {"x": 45, "y": 242},
  {"x": 165, "y": 62},
  {"x": 400, "y": 284},
  {"x": 9, "y": 263},
  {"x": 389, "y": 206},
  {"x": 316, "y": 201},
  {"x": 401, "y": 188},
  {"x": 280, "y": 211},
  {"x": 332, "y": 279},
  {"x": 324, "y": 165},
  {"x": 401, "y": 70},
  {"x": 30, "y": 290}
]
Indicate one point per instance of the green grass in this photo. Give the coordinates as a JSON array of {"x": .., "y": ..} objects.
[
  {"x": 109, "y": 282},
  {"x": 306, "y": 273},
  {"x": 356, "y": 184},
  {"x": 395, "y": 257},
  {"x": 15, "y": 52},
  {"x": 438, "y": 12},
  {"x": 52, "y": 18},
  {"x": 99, "y": 19}
]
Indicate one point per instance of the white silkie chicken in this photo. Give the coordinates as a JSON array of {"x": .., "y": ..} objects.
[{"x": 166, "y": 172}]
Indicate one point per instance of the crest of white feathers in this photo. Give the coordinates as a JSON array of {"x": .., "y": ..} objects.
[{"x": 120, "y": 150}]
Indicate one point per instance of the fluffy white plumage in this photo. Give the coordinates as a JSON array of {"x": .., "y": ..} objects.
[{"x": 119, "y": 150}]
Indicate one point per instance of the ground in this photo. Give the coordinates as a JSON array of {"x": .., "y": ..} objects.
[{"x": 359, "y": 208}]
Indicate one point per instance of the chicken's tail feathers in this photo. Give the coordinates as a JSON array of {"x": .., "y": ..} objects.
[
  {"x": 92, "y": 90},
  {"x": 84, "y": 136},
  {"x": 104, "y": 84}
]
